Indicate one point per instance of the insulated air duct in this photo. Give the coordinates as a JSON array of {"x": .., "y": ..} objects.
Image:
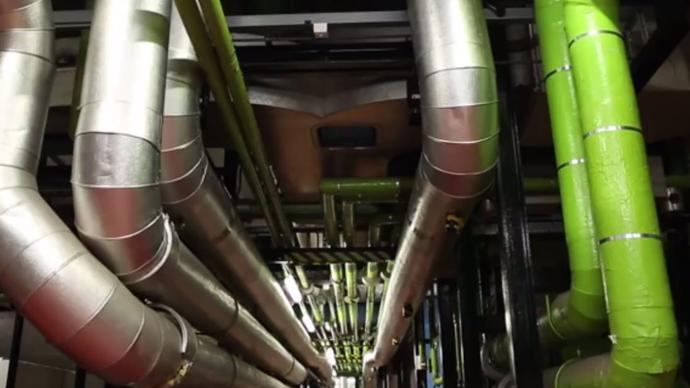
[
  {"x": 76, "y": 303},
  {"x": 193, "y": 193},
  {"x": 115, "y": 179},
  {"x": 460, "y": 147}
]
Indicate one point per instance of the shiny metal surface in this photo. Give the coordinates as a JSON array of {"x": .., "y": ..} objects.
[
  {"x": 116, "y": 182},
  {"x": 460, "y": 148},
  {"x": 46, "y": 272},
  {"x": 192, "y": 192}
]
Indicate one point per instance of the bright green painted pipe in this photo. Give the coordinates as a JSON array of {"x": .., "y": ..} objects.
[
  {"x": 370, "y": 280},
  {"x": 234, "y": 79},
  {"x": 540, "y": 185},
  {"x": 352, "y": 298},
  {"x": 641, "y": 319},
  {"x": 193, "y": 22},
  {"x": 581, "y": 312},
  {"x": 367, "y": 189},
  {"x": 337, "y": 283}
]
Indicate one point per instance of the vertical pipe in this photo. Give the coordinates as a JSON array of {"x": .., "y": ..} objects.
[
  {"x": 352, "y": 299},
  {"x": 330, "y": 217},
  {"x": 641, "y": 319},
  {"x": 217, "y": 24},
  {"x": 581, "y": 312}
]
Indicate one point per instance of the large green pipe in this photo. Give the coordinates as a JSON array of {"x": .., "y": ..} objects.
[
  {"x": 641, "y": 319},
  {"x": 352, "y": 298},
  {"x": 191, "y": 17},
  {"x": 370, "y": 281},
  {"x": 222, "y": 39},
  {"x": 337, "y": 282},
  {"x": 581, "y": 312}
]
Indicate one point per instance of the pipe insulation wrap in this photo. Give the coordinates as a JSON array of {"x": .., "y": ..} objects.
[
  {"x": 47, "y": 273},
  {"x": 213, "y": 227},
  {"x": 194, "y": 194},
  {"x": 460, "y": 147},
  {"x": 185, "y": 177},
  {"x": 115, "y": 181}
]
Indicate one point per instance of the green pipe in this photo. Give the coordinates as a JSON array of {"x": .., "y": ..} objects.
[
  {"x": 367, "y": 189},
  {"x": 349, "y": 228},
  {"x": 222, "y": 39},
  {"x": 370, "y": 280},
  {"x": 330, "y": 218},
  {"x": 337, "y": 281},
  {"x": 191, "y": 17},
  {"x": 538, "y": 184},
  {"x": 641, "y": 319},
  {"x": 581, "y": 312},
  {"x": 352, "y": 298}
]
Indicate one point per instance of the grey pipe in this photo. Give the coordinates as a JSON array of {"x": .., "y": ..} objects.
[
  {"x": 460, "y": 146},
  {"x": 51, "y": 278},
  {"x": 184, "y": 171},
  {"x": 193, "y": 194},
  {"x": 115, "y": 182}
]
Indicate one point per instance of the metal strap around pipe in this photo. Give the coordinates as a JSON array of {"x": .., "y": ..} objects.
[
  {"x": 611, "y": 128},
  {"x": 592, "y": 33},
  {"x": 557, "y": 70},
  {"x": 630, "y": 236},
  {"x": 573, "y": 162}
]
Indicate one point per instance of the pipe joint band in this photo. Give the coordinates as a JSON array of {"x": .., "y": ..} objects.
[
  {"x": 630, "y": 236},
  {"x": 594, "y": 33},
  {"x": 188, "y": 344},
  {"x": 573, "y": 162},
  {"x": 612, "y": 128},
  {"x": 557, "y": 70}
]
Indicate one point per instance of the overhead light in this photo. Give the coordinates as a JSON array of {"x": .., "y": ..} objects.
[
  {"x": 308, "y": 323},
  {"x": 330, "y": 356},
  {"x": 292, "y": 289}
]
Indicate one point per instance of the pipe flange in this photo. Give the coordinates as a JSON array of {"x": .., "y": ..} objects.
[
  {"x": 169, "y": 245},
  {"x": 188, "y": 344}
]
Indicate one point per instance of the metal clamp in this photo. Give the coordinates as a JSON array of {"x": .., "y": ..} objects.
[
  {"x": 630, "y": 236},
  {"x": 592, "y": 33},
  {"x": 188, "y": 345},
  {"x": 556, "y": 71},
  {"x": 573, "y": 162},
  {"x": 611, "y": 128}
]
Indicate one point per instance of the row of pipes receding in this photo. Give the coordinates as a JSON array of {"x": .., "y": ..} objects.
[{"x": 140, "y": 172}]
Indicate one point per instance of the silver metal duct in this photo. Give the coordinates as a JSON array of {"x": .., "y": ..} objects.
[
  {"x": 115, "y": 181},
  {"x": 193, "y": 193},
  {"x": 51, "y": 278},
  {"x": 460, "y": 147}
]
